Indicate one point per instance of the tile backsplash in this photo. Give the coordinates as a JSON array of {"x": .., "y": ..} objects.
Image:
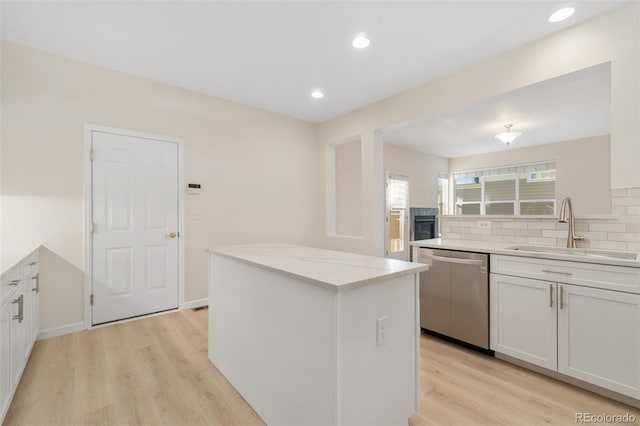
[{"x": 619, "y": 231}]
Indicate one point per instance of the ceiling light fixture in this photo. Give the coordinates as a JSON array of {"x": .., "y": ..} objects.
[
  {"x": 507, "y": 136},
  {"x": 317, "y": 94},
  {"x": 561, "y": 14},
  {"x": 361, "y": 42}
]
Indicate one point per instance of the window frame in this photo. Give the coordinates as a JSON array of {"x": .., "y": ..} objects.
[{"x": 515, "y": 173}]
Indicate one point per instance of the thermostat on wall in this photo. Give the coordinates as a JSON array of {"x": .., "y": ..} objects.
[{"x": 194, "y": 188}]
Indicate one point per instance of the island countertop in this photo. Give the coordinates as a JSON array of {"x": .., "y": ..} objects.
[{"x": 332, "y": 269}]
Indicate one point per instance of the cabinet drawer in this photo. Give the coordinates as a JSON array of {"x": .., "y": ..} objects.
[
  {"x": 610, "y": 277},
  {"x": 10, "y": 281},
  {"x": 30, "y": 263}
]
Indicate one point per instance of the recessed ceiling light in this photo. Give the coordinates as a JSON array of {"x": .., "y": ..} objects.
[
  {"x": 561, "y": 14},
  {"x": 361, "y": 42},
  {"x": 317, "y": 94}
]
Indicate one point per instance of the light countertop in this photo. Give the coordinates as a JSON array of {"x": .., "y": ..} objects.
[
  {"x": 331, "y": 269},
  {"x": 11, "y": 256},
  {"x": 504, "y": 248},
  {"x": 464, "y": 245}
]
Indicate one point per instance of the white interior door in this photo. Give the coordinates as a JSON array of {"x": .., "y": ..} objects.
[{"x": 135, "y": 226}]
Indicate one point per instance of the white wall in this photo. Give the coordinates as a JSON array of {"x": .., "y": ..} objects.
[
  {"x": 259, "y": 170},
  {"x": 583, "y": 169},
  {"x": 422, "y": 169},
  {"x": 348, "y": 188},
  {"x": 611, "y": 38}
]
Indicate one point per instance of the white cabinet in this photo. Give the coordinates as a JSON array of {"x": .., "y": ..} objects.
[
  {"x": 16, "y": 333},
  {"x": 33, "y": 286},
  {"x": 19, "y": 324},
  {"x": 588, "y": 333},
  {"x": 599, "y": 338},
  {"x": 5, "y": 357},
  {"x": 523, "y": 319}
]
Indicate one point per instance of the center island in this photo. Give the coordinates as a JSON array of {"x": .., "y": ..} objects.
[{"x": 316, "y": 337}]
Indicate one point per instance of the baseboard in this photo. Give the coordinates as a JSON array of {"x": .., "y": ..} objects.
[
  {"x": 79, "y": 326},
  {"x": 195, "y": 303},
  {"x": 59, "y": 331}
]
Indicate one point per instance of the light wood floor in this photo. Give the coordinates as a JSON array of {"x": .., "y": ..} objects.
[{"x": 156, "y": 372}]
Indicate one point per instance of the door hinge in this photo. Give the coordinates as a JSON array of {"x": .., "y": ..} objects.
[
  {"x": 92, "y": 155},
  {"x": 91, "y": 300},
  {"x": 91, "y": 227}
]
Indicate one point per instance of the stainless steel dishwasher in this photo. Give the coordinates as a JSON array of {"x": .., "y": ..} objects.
[{"x": 454, "y": 295}]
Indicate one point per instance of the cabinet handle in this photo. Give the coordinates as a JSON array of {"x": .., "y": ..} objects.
[
  {"x": 557, "y": 272},
  {"x": 14, "y": 282},
  {"x": 33, "y": 263},
  {"x": 551, "y": 295},
  {"x": 20, "y": 302},
  {"x": 37, "y": 278},
  {"x": 454, "y": 260},
  {"x": 561, "y": 297}
]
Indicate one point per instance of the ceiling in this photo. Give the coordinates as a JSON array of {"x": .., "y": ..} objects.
[
  {"x": 572, "y": 106},
  {"x": 271, "y": 55}
]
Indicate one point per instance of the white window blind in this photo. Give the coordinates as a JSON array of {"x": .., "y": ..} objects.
[{"x": 398, "y": 192}]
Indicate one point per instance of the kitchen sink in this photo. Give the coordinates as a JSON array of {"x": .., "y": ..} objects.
[{"x": 592, "y": 253}]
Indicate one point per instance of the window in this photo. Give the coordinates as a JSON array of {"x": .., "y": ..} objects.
[
  {"x": 468, "y": 192},
  {"x": 397, "y": 216},
  {"x": 517, "y": 190},
  {"x": 538, "y": 193},
  {"x": 443, "y": 193}
]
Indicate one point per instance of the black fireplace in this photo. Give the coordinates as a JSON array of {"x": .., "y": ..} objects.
[{"x": 424, "y": 223}]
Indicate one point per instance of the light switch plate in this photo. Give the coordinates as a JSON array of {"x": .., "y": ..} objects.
[{"x": 196, "y": 215}]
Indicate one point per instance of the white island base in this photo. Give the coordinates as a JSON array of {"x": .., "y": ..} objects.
[{"x": 296, "y": 331}]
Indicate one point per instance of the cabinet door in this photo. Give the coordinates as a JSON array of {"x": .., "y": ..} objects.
[
  {"x": 34, "y": 306},
  {"x": 17, "y": 354},
  {"x": 524, "y": 319},
  {"x": 599, "y": 338},
  {"x": 26, "y": 319},
  {"x": 5, "y": 357}
]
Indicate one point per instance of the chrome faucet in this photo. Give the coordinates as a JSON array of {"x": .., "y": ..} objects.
[{"x": 566, "y": 215}]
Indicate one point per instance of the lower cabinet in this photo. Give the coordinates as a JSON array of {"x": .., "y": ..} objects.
[
  {"x": 599, "y": 337},
  {"x": 19, "y": 325},
  {"x": 523, "y": 319},
  {"x": 6, "y": 381},
  {"x": 33, "y": 285},
  {"x": 17, "y": 335},
  {"x": 587, "y": 333}
]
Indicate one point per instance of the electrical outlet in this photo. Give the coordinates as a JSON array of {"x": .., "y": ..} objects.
[
  {"x": 484, "y": 224},
  {"x": 381, "y": 327}
]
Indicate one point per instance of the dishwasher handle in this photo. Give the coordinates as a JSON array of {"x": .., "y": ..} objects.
[{"x": 454, "y": 259}]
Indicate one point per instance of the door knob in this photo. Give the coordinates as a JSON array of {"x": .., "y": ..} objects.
[{"x": 171, "y": 235}]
